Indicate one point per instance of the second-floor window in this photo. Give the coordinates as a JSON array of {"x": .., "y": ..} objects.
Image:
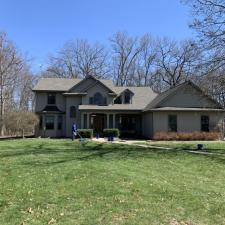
[
  {"x": 97, "y": 99},
  {"x": 51, "y": 98}
]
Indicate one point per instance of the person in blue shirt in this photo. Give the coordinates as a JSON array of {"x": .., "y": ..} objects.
[{"x": 74, "y": 131}]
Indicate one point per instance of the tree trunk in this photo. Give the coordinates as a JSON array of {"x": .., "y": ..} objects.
[{"x": 2, "y": 127}]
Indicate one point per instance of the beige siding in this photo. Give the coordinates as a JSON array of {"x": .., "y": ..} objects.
[
  {"x": 52, "y": 133},
  {"x": 188, "y": 97},
  {"x": 41, "y": 100},
  {"x": 186, "y": 121},
  {"x": 83, "y": 85},
  {"x": 72, "y": 101},
  {"x": 97, "y": 88}
]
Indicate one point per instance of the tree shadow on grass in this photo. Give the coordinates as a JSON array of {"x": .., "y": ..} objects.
[
  {"x": 102, "y": 151},
  {"x": 205, "y": 149},
  {"x": 122, "y": 153},
  {"x": 75, "y": 151}
]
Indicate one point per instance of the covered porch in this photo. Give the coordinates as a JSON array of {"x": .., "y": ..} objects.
[{"x": 129, "y": 123}]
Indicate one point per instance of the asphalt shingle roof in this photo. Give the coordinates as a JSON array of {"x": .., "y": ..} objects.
[
  {"x": 143, "y": 99},
  {"x": 142, "y": 95},
  {"x": 55, "y": 84}
]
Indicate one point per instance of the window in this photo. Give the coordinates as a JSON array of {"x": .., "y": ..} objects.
[
  {"x": 127, "y": 98},
  {"x": 49, "y": 122},
  {"x": 51, "y": 98},
  {"x": 172, "y": 123},
  {"x": 98, "y": 99},
  {"x": 40, "y": 122},
  {"x": 59, "y": 126},
  {"x": 205, "y": 123},
  {"x": 73, "y": 112},
  {"x": 118, "y": 100}
]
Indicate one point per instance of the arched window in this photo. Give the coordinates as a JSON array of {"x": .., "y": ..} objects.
[
  {"x": 98, "y": 99},
  {"x": 73, "y": 111}
]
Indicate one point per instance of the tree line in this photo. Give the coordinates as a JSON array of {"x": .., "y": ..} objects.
[{"x": 160, "y": 63}]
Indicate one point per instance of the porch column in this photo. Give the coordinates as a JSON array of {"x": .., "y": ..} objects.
[
  {"x": 82, "y": 120},
  {"x": 114, "y": 120},
  {"x": 107, "y": 116},
  {"x": 88, "y": 115}
]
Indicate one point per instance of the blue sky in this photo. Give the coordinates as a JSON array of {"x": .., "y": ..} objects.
[{"x": 40, "y": 27}]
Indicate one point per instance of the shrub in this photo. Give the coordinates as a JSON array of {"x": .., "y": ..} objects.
[
  {"x": 85, "y": 133},
  {"x": 20, "y": 123},
  {"x": 111, "y": 132},
  {"x": 186, "y": 136}
]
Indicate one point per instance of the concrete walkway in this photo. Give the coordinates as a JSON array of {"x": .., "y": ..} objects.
[
  {"x": 130, "y": 142},
  {"x": 137, "y": 143}
]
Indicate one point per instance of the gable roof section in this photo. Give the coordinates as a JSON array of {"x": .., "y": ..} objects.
[
  {"x": 55, "y": 84},
  {"x": 141, "y": 98},
  {"x": 126, "y": 89},
  {"x": 170, "y": 92},
  {"x": 108, "y": 84}
]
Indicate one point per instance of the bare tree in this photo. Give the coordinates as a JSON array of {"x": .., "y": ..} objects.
[
  {"x": 21, "y": 122},
  {"x": 213, "y": 84},
  {"x": 11, "y": 64},
  {"x": 176, "y": 61},
  {"x": 146, "y": 61},
  {"x": 209, "y": 22},
  {"x": 24, "y": 91},
  {"x": 79, "y": 59},
  {"x": 125, "y": 51}
]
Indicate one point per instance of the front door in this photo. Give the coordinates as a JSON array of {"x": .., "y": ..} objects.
[{"x": 98, "y": 123}]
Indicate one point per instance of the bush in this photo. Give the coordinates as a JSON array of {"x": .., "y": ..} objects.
[
  {"x": 20, "y": 123},
  {"x": 186, "y": 136},
  {"x": 85, "y": 133},
  {"x": 111, "y": 132}
]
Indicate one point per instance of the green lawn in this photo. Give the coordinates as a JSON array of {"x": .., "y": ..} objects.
[
  {"x": 209, "y": 146},
  {"x": 63, "y": 182}
]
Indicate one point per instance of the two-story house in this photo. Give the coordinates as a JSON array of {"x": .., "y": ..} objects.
[{"x": 98, "y": 104}]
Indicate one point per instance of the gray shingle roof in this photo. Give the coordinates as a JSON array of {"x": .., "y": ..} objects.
[
  {"x": 142, "y": 95},
  {"x": 186, "y": 109},
  {"x": 55, "y": 84},
  {"x": 126, "y": 107},
  {"x": 143, "y": 99}
]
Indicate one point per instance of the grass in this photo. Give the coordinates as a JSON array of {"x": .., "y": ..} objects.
[
  {"x": 209, "y": 146},
  {"x": 62, "y": 182}
]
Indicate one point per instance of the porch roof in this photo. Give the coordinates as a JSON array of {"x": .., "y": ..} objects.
[
  {"x": 50, "y": 109},
  {"x": 186, "y": 109},
  {"x": 125, "y": 107}
]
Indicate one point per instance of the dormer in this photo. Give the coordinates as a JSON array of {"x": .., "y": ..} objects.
[{"x": 125, "y": 97}]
